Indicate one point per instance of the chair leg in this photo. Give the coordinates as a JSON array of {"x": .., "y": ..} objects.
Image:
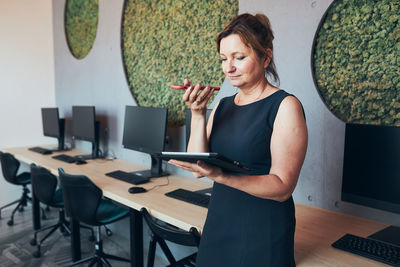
[
  {"x": 100, "y": 255},
  {"x": 66, "y": 229},
  {"x": 92, "y": 259},
  {"x": 21, "y": 203},
  {"x": 11, "y": 221},
  {"x": 152, "y": 251},
  {"x": 8, "y": 205},
  {"x": 166, "y": 250},
  {"x": 93, "y": 262},
  {"x": 105, "y": 261},
  {"x": 54, "y": 227},
  {"x": 25, "y": 197},
  {"x": 33, "y": 241}
]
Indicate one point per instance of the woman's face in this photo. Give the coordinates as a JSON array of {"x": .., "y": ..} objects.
[{"x": 240, "y": 63}]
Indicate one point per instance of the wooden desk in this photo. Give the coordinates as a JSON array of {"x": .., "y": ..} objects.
[
  {"x": 316, "y": 229},
  {"x": 175, "y": 212}
]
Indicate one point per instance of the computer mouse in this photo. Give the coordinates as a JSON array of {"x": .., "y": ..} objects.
[
  {"x": 80, "y": 161},
  {"x": 136, "y": 190}
]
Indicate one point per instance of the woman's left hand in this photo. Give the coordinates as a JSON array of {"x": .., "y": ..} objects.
[{"x": 199, "y": 169}]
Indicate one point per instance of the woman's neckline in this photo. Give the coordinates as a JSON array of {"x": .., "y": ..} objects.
[{"x": 258, "y": 100}]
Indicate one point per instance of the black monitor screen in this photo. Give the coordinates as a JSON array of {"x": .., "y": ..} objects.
[
  {"x": 371, "y": 170},
  {"x": 144, "y": 129},
  {"x": 51, "y": 122},
  {"x": 84, "y": 123}
]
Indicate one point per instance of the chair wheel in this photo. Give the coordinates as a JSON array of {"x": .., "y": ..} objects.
[
  {"x": 10, "y": 222},
  {"x": 36, "y": 254},
  {"x": 33, "y": 242},
  {"x": 91, "y": 238},
  {"x": 108, "y": 232},
  {"x": 65, "y": 233}
]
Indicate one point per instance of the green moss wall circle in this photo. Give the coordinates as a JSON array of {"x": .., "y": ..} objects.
[
  {"x": 164, "y": 41},
  {"x": 81, "y": 19},
  {"x": 356, "y": 59}
]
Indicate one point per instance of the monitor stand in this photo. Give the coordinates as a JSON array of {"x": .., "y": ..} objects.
[
  {"x": 155, "y": 171},
  {"x": 94, "y": 155},
  {"x": 61, "y": 145},
  {"x": 389, "y": 235},
  {"x": 95, "y": 146}
]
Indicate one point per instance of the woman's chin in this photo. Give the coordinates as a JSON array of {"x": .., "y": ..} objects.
[{"x": 236, "y": 83}]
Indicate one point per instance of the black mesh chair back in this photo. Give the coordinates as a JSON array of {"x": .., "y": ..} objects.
[
  {"x": 9, "y": 166},
  {"x": 161, "y": 232},
  {"x": 84, "y": 202},
  {"x": 45, "y": 184},
  {"x": 175, "y": 235},
  {"x": 79, "y": 189}
]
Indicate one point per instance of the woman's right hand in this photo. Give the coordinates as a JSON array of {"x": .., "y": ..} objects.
[{"x": 197, "y": 99}]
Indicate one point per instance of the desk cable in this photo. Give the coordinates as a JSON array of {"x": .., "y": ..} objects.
[{"x": 159, "y": 185}]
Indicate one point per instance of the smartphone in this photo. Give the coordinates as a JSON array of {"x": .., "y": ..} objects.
[{"x": 184, "y": 87}]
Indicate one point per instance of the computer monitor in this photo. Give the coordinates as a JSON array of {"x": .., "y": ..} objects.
[
  {"x": 371, "y": 171},
  {"x": 85, "y": 127},
  {"x": 188, "y": 119},
  {"x": 53, "y": 126},
  {"x": 144, "y": 131}
]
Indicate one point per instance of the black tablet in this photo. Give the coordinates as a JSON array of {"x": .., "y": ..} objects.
[{"x": 212, "y": 158}]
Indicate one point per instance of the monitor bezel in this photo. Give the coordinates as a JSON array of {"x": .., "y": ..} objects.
[
  {"x": 92, "y": 138},
  {"x": 45, "y": 122},
  {"x": 142, "y": 149},
  {"x": 359, "y": 199}
]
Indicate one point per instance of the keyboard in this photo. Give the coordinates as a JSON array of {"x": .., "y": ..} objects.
[
  {"x": 369, "y": 248},
  {"x": 190, "y": 197},
  {"x": 40, "y": 150},
  {"x": 65, "y": 158},
  {"x": 128, "y": 177}
]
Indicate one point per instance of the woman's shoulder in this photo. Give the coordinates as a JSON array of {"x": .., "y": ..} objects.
[
  {"x": 287, "y": 98},
  {"x": 290, "y": 104}
]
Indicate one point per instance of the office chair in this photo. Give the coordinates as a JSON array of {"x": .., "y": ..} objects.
[
  {"x": 10, "y": 166},
  {"x": 161, "y": 232},
  {"x": 44, "y": 187},
  {"x": 84, "y": 202}
]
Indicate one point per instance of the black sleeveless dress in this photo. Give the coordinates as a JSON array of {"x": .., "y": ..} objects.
[{"x": 241, "y": 229}]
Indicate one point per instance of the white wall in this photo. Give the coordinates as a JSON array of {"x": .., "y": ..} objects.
[{"x": 26, "y": 75}]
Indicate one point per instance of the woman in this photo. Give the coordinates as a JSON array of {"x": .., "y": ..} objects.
[{"x": 251, "y": 218}]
